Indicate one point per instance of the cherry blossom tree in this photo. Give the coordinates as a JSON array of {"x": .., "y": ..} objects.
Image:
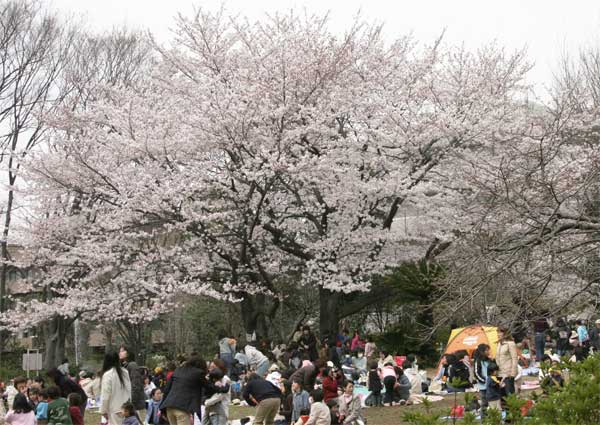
[{"x": 261, "y": 153}]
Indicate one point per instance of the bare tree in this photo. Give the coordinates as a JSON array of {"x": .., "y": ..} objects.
[{"x": 33, "y": 48}]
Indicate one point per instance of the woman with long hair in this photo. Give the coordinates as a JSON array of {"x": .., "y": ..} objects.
[{"x": 115, "y": 388}]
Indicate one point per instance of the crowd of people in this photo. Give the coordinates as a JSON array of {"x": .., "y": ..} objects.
[{"x": 306, "y": 382}]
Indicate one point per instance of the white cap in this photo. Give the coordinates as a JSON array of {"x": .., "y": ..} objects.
[
  {"x": 330, "y": 364},
  {"x": 598, "y": 322}
]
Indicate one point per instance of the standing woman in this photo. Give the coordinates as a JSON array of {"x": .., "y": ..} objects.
[
  {"x": 67, "y": 386},
  {"x": 183, "y": 394},
  {"x": 507, "y": 360},
  {"x": 115, "y": 389},
  {"x": 138, "y": 397}
]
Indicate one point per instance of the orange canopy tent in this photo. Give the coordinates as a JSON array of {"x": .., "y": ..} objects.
[{"x": 470, "y": 337}]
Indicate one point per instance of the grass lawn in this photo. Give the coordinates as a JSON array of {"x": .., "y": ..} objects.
[{"x": 374, "y": 415}]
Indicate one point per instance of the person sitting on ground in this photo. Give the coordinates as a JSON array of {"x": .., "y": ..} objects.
[
  {"x": 308, "y": 343},
  {"x": 458, "y": 374},
  {"x": 442, "y": 376},
  {"x": 304, "y": 416},
  {"x": 334, "y": 412},
  {"x": 415, "y": 378},
  {"x": 129, "y": 414},
  {"x": 402, "y": 387},
  {"x": 153, "y": 414},
  {"x": 464, "y": 357},
  {"x": 359, "y": 362},
  {"x": 330, "y": 385},
  {"x": 265, "y": 396},
  {"x": 287, "y": 401},
  {"x": 21, "y": 412},
  {"x": 319, "y": 412},
  {"x": 300, "y": 401},
  {"x": 333, "y": 355},
  {"x": 350, "y": 407},
  {"x": 148, "y": 386}
]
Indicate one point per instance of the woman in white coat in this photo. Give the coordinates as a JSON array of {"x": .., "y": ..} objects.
[{"x": 115, "y": 389}]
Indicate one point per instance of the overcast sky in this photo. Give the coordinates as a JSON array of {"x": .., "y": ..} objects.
[{"x": 547, "y": 28}]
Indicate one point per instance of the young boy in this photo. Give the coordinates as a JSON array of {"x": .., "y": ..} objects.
[
  {"x": 41, "y": 410},
  {"x": 58, "y": 408},
  {"x": 493, "y": 393}
]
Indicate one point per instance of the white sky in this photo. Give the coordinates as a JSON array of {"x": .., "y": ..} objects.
[{"x": 548, "y": 28}]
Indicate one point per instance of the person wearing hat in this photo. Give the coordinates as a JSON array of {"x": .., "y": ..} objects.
[{"x": 595, "y": 337}]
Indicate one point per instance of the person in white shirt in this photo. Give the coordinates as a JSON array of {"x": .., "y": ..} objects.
[{"x": 257, "y": 361}]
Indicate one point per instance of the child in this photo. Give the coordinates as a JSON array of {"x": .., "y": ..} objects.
[
  {"x": 375, "y": 385},
  {"x": 493, "y": 392},
  {"x": 75, "y": 409},
  {"x": 130, "y": 416},
  {"x": 214, "y": 412},
  {"x": 21, "y": 412},
  {"x": 41, "y": 410},
  {"x": 153, "y": 415},
  {"x": 34, "y": 397},
  {"x": 58, "y": 408}
]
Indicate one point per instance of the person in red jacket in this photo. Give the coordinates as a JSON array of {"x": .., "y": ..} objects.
[
  {"x": 330, "y": 385},
  {"x": 75, "y": 409}
]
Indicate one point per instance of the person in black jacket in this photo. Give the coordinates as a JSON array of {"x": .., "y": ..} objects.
[
  {"x": 67, "y": 386},
  {"x": 458, "y": 374},
  {"x": 138, "y": 397},
  {"x": 183, "y": 394},
  {"x": 308, "y": 343},
  {"x": 265, "y": 396}
]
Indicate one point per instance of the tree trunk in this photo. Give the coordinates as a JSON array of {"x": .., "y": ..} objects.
[
  {"x": 137, "y": 338},
  {"x": 328, "y": 312},
  {"x": 5, "y": 255},
  {"x": 56, "y": 335},
  {"x": 257, "y": 315}
]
